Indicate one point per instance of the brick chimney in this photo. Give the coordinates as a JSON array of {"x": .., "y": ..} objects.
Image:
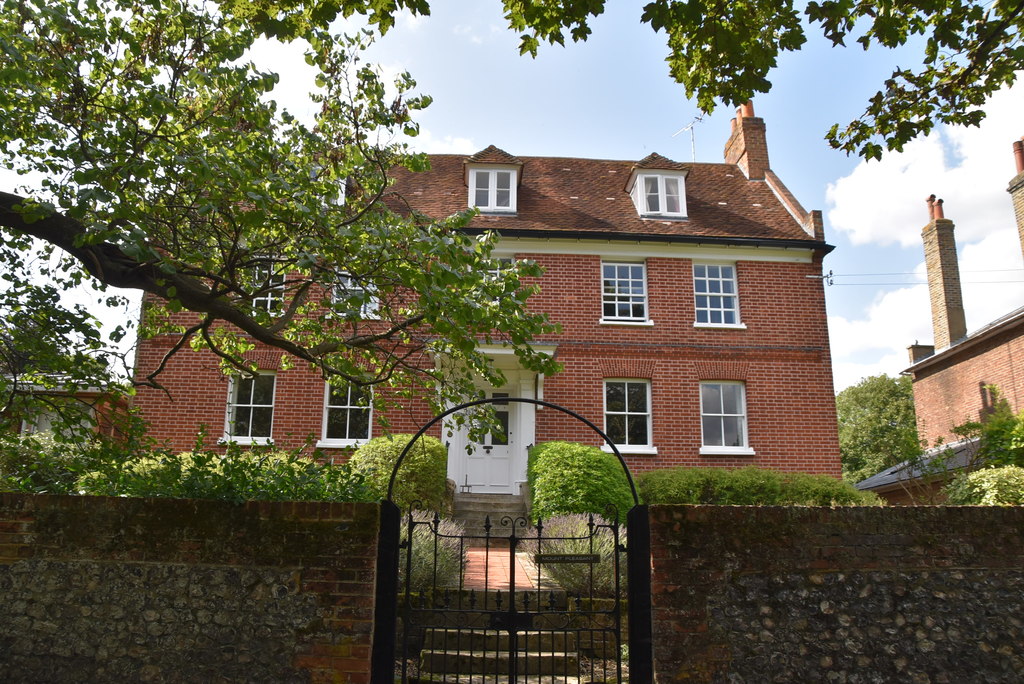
[
  {"x": 1016, "y": 188},
  {"x": 948, "y": 323},
  {"x": 748, "y": 145}
]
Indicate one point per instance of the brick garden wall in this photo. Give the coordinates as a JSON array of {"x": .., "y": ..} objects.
[
  {"x": 105, "y": 589},
  {"x": 914, "y": 594}
]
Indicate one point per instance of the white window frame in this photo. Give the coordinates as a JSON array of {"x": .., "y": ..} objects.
[
  {"x": 489, "y": 184},
  {"x": 621, "y": 297},
  {"x": 718, "y": 413},
  {"x": 345, "y": 283},
  {"x": 502, "y": 264},
  {"x": 627, "y": 447},
  {"x": 661, "y": 194},
  {"x": 272, "y": 298},
  {"x": 233, "y": 404},
  {"x": 710, "y": 282},
  {"x": 348, "y": 407},
  {"x": 47, "y": 420}
]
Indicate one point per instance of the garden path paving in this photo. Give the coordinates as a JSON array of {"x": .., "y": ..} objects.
[{"x": 493, "y": 568}]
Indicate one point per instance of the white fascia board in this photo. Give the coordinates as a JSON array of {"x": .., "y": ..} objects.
[{"x": 614, "y": 249}]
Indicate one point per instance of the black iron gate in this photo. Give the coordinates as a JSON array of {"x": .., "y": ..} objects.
[{"x": 516, "y": 603}]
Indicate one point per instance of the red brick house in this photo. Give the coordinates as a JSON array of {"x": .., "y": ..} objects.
[
  {"x": 952, "y": 377},
  {"x": 690, "y": 300}
]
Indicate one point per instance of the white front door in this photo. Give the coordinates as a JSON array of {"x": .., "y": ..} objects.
[
  {"x": 494, "y": 464},
  {"x": 489, "y": 461}
]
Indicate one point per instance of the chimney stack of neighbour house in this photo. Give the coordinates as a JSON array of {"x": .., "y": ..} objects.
[
  {"x": 1016, "y": 188},
  {"x": 747, "y": 145},
  {"x": 948, "y": 322}
]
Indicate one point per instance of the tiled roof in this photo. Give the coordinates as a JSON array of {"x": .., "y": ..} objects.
[
  {"x": 656, "y": 161},
  {"x": 564, "y": 194},
  {"x": 493, "y": 155}
]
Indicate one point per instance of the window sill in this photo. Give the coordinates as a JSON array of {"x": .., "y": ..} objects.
[
  {"x": 664, "y": 217},
  {"x": 246, "y": 441},
  {"x": 632, "y": 449},
  {"x": 615, "y": 321},
  {"x": 727, "y": 451},
  {"x": 339, "y": 443},
  {"x": 724, "y": 326},
  {"x": 495, "y": 212}
]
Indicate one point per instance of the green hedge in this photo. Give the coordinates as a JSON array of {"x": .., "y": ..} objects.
[
  {"x": 747, "y": 487},
  {"x": 40, "y": 464},
  {"x": 237, "y": 475},
  {"x": 423, "y": 477},
  {"x": 988, "y": 487},
  {"x": 565, "y": 477}
]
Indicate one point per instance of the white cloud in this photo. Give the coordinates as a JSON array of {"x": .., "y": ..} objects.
[
  {"x": 991, "y": 274},
  {"x": 877, "y": 343},
  {"x": 448, "y": 144},
  {"x": 882, "y": 204},
  {"x": 468, "y": 31},
  {"x": 297, "y": 79},
  {"x": 407, "y": 21}
]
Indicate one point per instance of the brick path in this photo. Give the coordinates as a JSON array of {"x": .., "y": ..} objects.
[{"x": 494, "y": 567}]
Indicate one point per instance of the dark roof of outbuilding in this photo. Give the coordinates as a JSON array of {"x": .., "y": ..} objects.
[
  {"x": 588, "y": 197},
  {"x": 940, "y": 460}
]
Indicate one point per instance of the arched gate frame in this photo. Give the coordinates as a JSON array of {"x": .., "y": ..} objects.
[{"x": 638, "y": 562}]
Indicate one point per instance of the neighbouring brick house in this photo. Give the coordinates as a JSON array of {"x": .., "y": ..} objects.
[
  {"x": 692, "y": 312},
  {"x": 952, "y": 377}
]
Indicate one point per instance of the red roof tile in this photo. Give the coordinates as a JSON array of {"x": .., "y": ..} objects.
[
  {"x": 656, "y": 161},
  {"x": 587, "y": 196},
  {"x": 492, "y": 155}
]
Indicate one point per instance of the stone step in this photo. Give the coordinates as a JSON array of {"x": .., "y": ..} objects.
[
  {"x": 492, "y": 640},
  {"x": 502, "y": 679},
  {"x": 483, "y": 662},
  {"x": 489, "y": 503},
  {"x": 468, "y": 619},
  {"x": 496, "y": 515}
]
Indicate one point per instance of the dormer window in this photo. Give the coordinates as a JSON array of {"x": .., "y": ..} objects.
[
  {"x": 660, "y": 194},
  {"x": 493, "y": 190}
]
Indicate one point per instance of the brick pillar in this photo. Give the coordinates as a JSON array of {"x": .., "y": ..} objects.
[
  {"x": 747, "y": 145},
  {"x": 948, "y": 322},
  {"x": 1016, "y": 188}
]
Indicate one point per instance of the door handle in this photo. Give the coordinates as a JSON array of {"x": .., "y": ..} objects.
[{"x": 487, "y": 448}]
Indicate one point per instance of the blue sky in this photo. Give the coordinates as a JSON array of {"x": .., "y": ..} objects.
[{"x": 612, "y": 98}]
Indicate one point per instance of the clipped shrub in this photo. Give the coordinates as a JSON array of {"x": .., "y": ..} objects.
[
  {"x": 566, "y": 477},
  {"x": 422, "y": 480},
  {"x": 237, "y": 475},
  {"x": 573, "y": 534},
  {"x": 988, "y": 487},
  {"x": 748, "y": 487},
  {"x": 438, "y": 554}
]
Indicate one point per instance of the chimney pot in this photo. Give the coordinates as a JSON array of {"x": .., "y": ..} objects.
[
  {"x": 746, "y": 110},
  {"x": 939, "y": 214},
  {"x": 931, "y": 207},
  {"x": 1018, "y": 154}
]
